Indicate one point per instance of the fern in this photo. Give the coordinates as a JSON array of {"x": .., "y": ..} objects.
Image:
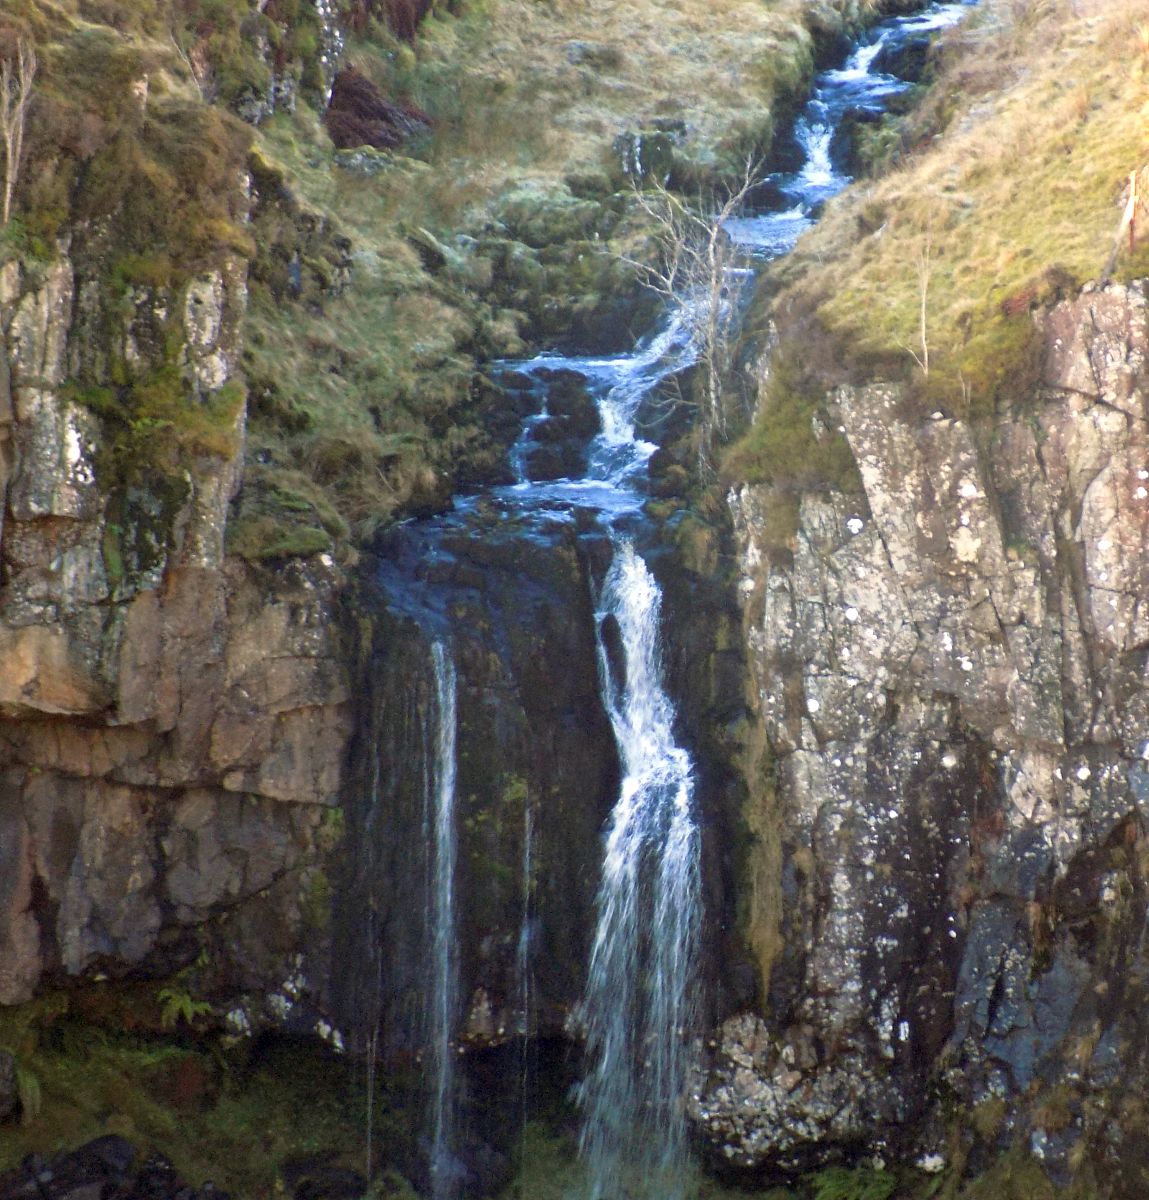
[
  {"x": 176, "y": 1005},
  {"x": 29, "y": 1092},
  {"x": 841, "y": 1183}
]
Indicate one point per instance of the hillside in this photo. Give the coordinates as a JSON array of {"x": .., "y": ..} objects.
[{"x": 263, "y": 269}]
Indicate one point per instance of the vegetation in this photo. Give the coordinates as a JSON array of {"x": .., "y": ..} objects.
[
  {"x": 1015, "y": 206},
  {"x": 237, "y": 1117},
  {"x": 17, "y": 73}
]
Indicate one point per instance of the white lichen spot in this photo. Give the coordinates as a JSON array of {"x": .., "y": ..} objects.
[
  {"x": 73, "y": 446},
  {"x": 966, "y": 664},
  {"x": 949, "y": 761},
  {"x": 851, "y": 614},
  {"x": 239, "y": 1022},
  {"x": 813, "y": 706},
  {"x": 855, "y": 524},
  {"x": 932, "y": 1164},
  {"x": 965, "y": 543},
  {"x": 1083, "y": 772},
  {"x": 969, "y": 490}
]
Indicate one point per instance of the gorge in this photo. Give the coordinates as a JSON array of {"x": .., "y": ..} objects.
[{"x": 416, "y": 747}]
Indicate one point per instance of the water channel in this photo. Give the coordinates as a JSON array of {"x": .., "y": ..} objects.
[{"x": 639, "y": 1005}]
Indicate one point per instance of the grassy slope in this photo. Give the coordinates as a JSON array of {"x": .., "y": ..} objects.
[
  {"x": 365, "y": 399},
  {"x": 528, "y": 99},
  {"x": 1013, "y": 192}
]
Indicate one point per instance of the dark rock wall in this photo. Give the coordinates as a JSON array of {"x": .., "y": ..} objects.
[{"x": 514, "y": 605}]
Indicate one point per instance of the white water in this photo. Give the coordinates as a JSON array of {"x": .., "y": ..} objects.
[
  {"x": 641, "y": 995},
  {"x": 641, "y": 985},
  {"x": 444, "y": 966}
]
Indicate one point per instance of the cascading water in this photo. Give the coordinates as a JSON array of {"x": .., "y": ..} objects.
[
  {"x": 441, "y": 835},
  {"x": 642, "y": 990},
  {"x": 639, "y": 1002}
]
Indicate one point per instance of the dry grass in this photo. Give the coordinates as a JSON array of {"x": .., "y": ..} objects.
[
  {"x": 1019, "y": 198},
  {"x": 546, "y": 87}
]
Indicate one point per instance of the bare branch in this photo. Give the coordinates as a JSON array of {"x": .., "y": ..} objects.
[
  {"x": 925, "y": 267},
  {"x": 695, "y": 274},
  {"x": 15, "y": 97}
]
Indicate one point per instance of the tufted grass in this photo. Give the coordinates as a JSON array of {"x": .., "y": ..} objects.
[{"x": 1013, "y": 196}]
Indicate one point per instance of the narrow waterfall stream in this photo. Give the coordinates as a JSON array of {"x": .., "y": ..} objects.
[
  {"x": 577, "y": 502},
  {"x": 641, "y": 984},
  {"x": 441, "y": 835}
]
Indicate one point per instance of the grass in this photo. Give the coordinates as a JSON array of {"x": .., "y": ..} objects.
[
  {"x": 362, "y": 349},
  {"x": 793, "y": 443},
  {"x": 234, "y": 1117},
  {"x": 1012, "y": 199}
]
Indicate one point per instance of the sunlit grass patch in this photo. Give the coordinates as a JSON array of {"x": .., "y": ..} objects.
[{"x": 1017, "y": 202}]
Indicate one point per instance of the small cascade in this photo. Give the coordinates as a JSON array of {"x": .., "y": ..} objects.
[
  {"x": 332, "y": 41},
  {"x": 640, "y": 990},
  {"x": 524, "y": 967},
  {"x": 443, "y": 992}
]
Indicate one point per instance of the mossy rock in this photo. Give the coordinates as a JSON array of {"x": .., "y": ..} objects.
[{"x": 539, "y": 217}]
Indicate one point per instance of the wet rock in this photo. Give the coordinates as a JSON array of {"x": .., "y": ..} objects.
[
  {"x": 320, "y": 1180},
  {"x": 536, "y": 774},
  {"x": 9, "y": 1097},
  {"x": 904, "y": 57}
]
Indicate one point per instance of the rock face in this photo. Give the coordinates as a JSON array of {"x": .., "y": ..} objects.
[
  {"x": 173, "y": 724},
  {"x": 537, "y": 774},
  {"x": 948, "y": 898}
]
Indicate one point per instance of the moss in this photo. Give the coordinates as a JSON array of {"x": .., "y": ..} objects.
[
  {"x": 213, "y": 1116},
  {"x": 792, "y": 443},
  {"x": 264, "y": 538},
  {"x": 155, "y": 420},
  {"x": 988, "y": 1118},
  {"x": 1017, "y": 1176},
  {"x": 316, "y": 900}
]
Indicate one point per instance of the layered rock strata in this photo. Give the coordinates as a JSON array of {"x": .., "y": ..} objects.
[{"x": 174, "y": 721}]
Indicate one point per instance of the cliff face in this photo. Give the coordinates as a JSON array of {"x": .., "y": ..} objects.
[
  {"x": 949, "y": 674},
  {"x": 174, "y": 719}
]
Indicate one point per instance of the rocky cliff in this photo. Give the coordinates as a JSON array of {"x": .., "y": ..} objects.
[
  {"x": 175, "y": 720},
  {"x": 948, "y": 671}
]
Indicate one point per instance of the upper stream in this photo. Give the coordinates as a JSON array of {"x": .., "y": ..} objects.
[{"x": 577, "y": 502}]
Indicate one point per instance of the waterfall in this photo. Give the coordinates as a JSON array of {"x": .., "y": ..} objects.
[
  {"x": 640, "y": 989},
  {"x": 332, "y": 42},
  {"x": 524, "y": 978},
  {"x": 440, "y": 835}
]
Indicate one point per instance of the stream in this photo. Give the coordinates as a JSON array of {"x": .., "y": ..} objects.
[{"x": 570, "y": 533}]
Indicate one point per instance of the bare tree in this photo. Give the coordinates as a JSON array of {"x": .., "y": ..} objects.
[
  {"x": 695, "y": 272},
  {"x": 1136, "y": 205},
  {"x": 15, "y": 97},
  {"x": 925, "y": 267}
]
